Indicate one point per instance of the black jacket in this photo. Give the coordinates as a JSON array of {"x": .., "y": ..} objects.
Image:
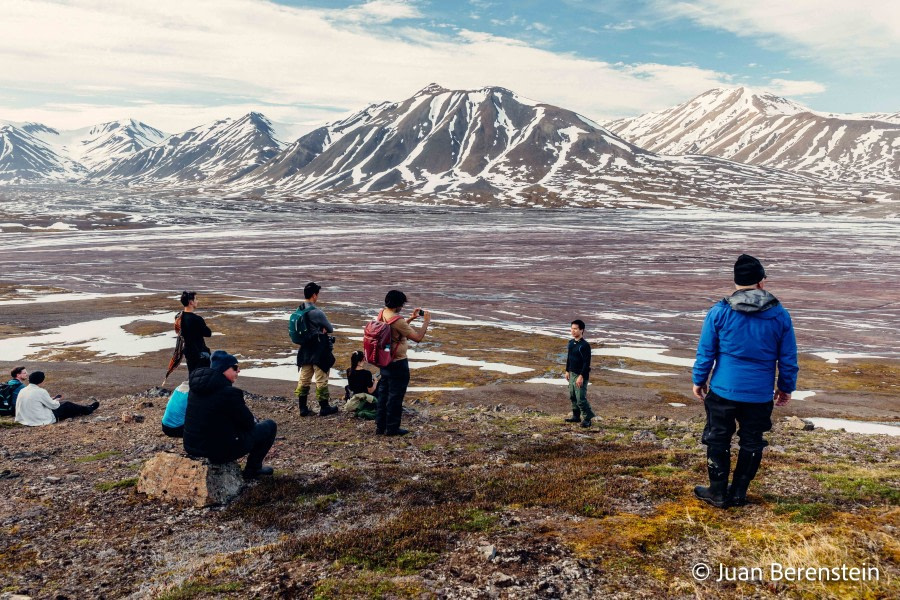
[
  {"x": 217, "y": 422},
  {"x": 193, "y": 330},
  {"x": 578, "y": 360},
  {"x": 316, "y": 350}
]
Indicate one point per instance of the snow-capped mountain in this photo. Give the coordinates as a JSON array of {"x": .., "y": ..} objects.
[
  {"x": 218, "y": 152},
  {"x": 98, "y": 145},
  {"x": 77, "y": 150},
  {"x": 25, "y": 158},
  {"x": 493, "y": 145},
  {"x": 764, "y": 129}
]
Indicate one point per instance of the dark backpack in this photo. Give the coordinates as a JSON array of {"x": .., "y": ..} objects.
[
  {"x": 7, "y": 395},
  {"x": 298, "y": 324},
  {"x": 377, "y": 341}
]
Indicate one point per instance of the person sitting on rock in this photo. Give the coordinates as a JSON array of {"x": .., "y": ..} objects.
[
  {"x": 173, "y": 419},
  {"x": 360, "y": 386},
  {"x": 35, "y": 407},
  {"x": 217, "y": 423}
]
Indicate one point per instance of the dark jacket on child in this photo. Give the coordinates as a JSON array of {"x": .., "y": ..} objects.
[{"x": 217, "y": 422}]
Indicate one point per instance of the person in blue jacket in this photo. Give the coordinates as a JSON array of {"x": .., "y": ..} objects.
[{"x": 745, "y": 338}]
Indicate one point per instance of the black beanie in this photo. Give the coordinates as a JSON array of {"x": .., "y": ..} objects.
[
  {"x": 36, "y": 378},
  {"x": 748, "y": 270}
]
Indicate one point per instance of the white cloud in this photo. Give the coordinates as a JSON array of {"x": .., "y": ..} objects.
[
  {"x": 379, "y": 11},
  {"x": 788, "y": 87},
  {"x": 177, "y": 64},
  {"x": 624, "y": 26},
  {"x": 850, "y": 35}
]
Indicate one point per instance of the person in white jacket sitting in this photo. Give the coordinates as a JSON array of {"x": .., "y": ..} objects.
[{"x": 35, "y": 407}]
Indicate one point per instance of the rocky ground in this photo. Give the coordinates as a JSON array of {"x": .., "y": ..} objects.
[
  {"x": 478, "y": 502},
  {"x": 492, "y": 495}
]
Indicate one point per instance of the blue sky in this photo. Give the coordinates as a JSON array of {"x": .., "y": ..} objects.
[{"x": 72, "y": 63}]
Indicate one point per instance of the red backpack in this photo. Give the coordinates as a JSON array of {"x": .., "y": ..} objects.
[{"x": 377, "y": 341}]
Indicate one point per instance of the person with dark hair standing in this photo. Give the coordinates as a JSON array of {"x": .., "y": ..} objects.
[
  {"x": 578, "y": 369},
  {"x": 314, "y": 357},
  {"x": 35, "y": 407},
  {"x": 395, "y": 377},
  {"x": 744, "y": 338},
  {"x": 193, "y": 330},
  {"x": 360, "y": 387},
  {"x": 217, "y": 423}
]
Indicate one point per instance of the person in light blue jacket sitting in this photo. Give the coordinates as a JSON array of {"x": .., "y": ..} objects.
[
  {"x": 746, "y": 339},
  {"x": 173, "y": 419}
]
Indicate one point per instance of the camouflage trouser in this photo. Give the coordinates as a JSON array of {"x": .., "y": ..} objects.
[{"x": 578, "y": 396}]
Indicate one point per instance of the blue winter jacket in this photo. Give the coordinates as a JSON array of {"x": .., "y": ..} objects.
[{"x": 744, "y": 337}]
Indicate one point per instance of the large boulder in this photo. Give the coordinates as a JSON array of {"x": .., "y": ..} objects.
[{"x": 179, "y": 478}]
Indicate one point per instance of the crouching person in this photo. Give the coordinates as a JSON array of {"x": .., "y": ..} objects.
[
  {"x": 360, "y": 386},
  {"x": 217, "y": 423},
  {"x": 173, "y": 419},
  {"x": 35, "y": 407}
]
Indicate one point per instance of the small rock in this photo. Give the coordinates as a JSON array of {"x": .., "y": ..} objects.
[
  {"x": 498, "y": 408},
  {"x": 798, "y": 423},
  {"x": 537, "y": 436},
  {"x": 644, "y": 436},
  {"x": 146, "y": 404},
  {"x": 132, "y": 418},
  {"x": 489, "y": 552},
  {"x": 502, "y": 580},
  {"x": 52, "y": 479}
]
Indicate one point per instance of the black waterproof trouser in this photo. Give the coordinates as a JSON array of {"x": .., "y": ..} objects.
[
  {"x": 723, "y": 417},
  {"x": 68, "y": 410},
  {"x": 173, "y": 432},
  {"x": 391, "y": 390},
  {"x": 258, "y": 442}
]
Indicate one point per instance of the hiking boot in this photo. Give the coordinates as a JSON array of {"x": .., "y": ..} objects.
[
  {"x": 396, "y": 432},
  {"x": 575, "y": 418},
  {"x": 251, "y": 473},
  {"x": 715, "y": 494},
  {"x": 586, "y": 423},
  {"x": 325, "y": 410}
]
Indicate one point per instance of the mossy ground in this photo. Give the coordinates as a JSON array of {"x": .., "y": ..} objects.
[{"x": 349, "y": 515}]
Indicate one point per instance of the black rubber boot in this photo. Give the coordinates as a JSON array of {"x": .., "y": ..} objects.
[
  {"x": 586, "y": 423},
  {"x": 744, "y": 472},
  {"x": 257, "y": 472},
  {"x": 324, "y": 408},
  {"x": 718, "y": 465},
  {"x": 302, "y": 400},
  {"x": 576, "y": 416}
]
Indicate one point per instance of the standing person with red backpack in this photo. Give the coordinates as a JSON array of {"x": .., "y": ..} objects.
[{"x": 389, "y": 353}]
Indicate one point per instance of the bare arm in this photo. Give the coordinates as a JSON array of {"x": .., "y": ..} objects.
[{"x": 419, "y": 334}]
